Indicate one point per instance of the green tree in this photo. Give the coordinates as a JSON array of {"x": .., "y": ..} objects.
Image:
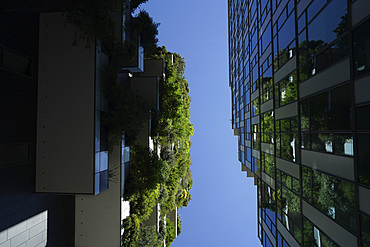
[
  {"x": 148, "y": 30},
  {"x": 148, "y": 236},
  {"x": 94, "y": 19}
]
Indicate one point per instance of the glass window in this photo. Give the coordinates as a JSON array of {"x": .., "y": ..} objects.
[
  {"x": 255, "y": 107},
  {"x": 363, "y": 157},
  {"x": 302, "y": 22},
  {"x": 340, "y": 114},
  {"x": 256, "y": 136},
  {"x": 266, "y": 38},
  {"x": 305, "y": 141},
  {"x": 363, "y": 117},
  {"x": 268, "y": 122},
  {"x": 266, "y": 93},
  {"x": 314, "y": 8},
  {"x": 285, "y": 125},
  {"x": 339, "y": 49},
  {"x": 268, "y": 164},
  {"x": 343, "y": 144},
  {"x": 306, "y": 184},
  {"x": 286, "y": 90},
  {"x": 308, "y": 232},
  {"x": 330, "y": 23},
  {"x": 331, "y": 110},
  {"x": 282, "y": 19},
  {"x": 365, "y": 227},
  {"x": 335, "y": 198},
  {"x": 289, "y": 146},
  {"x": 322, "y": 142},
  {"x": 361, "y": 48},
  {"x": 305, "y": 117}
]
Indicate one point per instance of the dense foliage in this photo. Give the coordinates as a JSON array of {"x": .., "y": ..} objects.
[
  {"x": 93, "y": 19},
  {"x": 154, "y": 178},
  {"x": 148, "y": 30},
  {"x": 127, "y": 111},
  {"x": 174, "y": 130},
  {"x": 166, "y": 180}
]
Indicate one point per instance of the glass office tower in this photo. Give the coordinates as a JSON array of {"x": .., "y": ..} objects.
[{"x": 300, "y": 83}]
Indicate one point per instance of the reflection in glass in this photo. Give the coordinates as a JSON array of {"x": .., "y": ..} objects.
[
  {"x": 314, "y": 237},
  {"x": 266, "y": 89},
  {"x": 339, "y": 49},
  {"x": 335, "y": 198},
  {"x": 289, "y": 146},
  {"x": 286, "y": 90},
  {"x": 322, "y": 142},
  {"x": 343, "y": 144},
  {"x": 268, "y": 127},
  {"x": 330, "y": 23},
  {"x": 305, "y": 117},
  {"x": 365, "y": 227},
  {"x": 256, "y": 136},
  {"x": 331, "y": 110},
  {"x": 268, "y": 164},
  {"x": 307, "y": 184},
  {"x": 255, "y": 107}
]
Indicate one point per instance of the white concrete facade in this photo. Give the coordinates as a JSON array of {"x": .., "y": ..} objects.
[{"x": 29, "y": 233}]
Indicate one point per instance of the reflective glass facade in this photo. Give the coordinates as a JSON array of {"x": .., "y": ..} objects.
[{"x": 300, "y": 84}]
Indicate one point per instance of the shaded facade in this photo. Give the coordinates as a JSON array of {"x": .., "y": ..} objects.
[
  {"x": 299, "y": 77},
  {"x": 54, "y": 160}
]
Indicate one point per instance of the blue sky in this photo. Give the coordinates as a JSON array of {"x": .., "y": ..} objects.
[{"x": 222, "y": 211}]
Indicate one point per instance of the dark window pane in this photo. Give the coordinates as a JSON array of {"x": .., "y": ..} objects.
[
  {"x": 321, "y": 61},
  {"x": 322, "y": 142},
  {"x": 343, "y": 144},
  {"x": 325, "y": 241},
  {"x": 308, "y": 233},
  {"x": 306, "y": 183},
  {"x": 278, "y": 145},
  {"x": 285, "y": 125},
  {"x": 361, "y": 48},
  {"x": 363, "y": 117},
  {"x": 294, "y": 124},
  {"x": 302, "y": 21},
  {"x": 289, "y": 146},
  {"x": 303, "y": 72},
  {"x": 330, "y": 23},
  {"x": 302, "y": 48},
  {"x": 332, "y": 110},
  {"x": 339, "y": 49},
  {"x": 335, "y": 198},
  {"x": 268, "y": 164},
  {"x": 277, "y": 125},
  {"x": 314, "y": 8},
  {"x": 319, "y": 111},
  {"x": 305, "y": 117},
  {"x": 288, "y": 89},
  {"x": 266, "y": 37},
  {"x": 296, "y": 186},
  {"x": 365, "y": 227},
  {"x": 305, "y": 140},
  {"x": 255, "y": 107},
  {"x": 340, "y": 115},
  {"x": 363, "y": 156}
]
